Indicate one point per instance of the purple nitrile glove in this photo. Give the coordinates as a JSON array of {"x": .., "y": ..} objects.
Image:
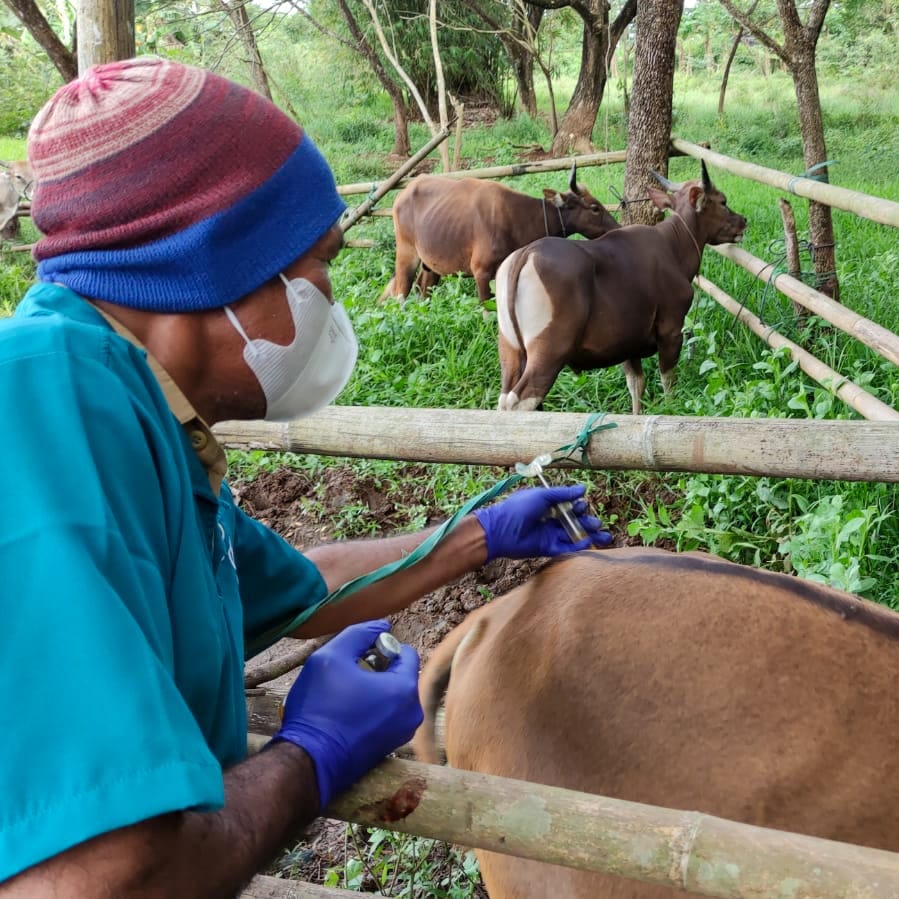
[
  {"x": 520, "y": 527},
  {"x": 346, "y": 718}
]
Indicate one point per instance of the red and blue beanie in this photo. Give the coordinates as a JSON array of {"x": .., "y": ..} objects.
[{"x": 165, "y": 187}]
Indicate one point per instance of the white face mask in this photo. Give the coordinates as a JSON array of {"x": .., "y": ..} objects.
[{"x": 309, "y": 372}]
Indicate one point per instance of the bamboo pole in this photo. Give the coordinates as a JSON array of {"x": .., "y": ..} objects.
[
  {"x": 848, "y": 391},
  {"x": 264, "y": 887},
  {"x": 393, "y": 180},
  {"x": 685, "y": 850},
  {"x": 872, "y": 335},
  {"x": 784, "y": 448},
  {"x": 886, "y": 212},
  {"x": 519, "y": 168}
]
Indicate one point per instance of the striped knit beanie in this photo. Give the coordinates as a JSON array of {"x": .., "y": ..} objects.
[{"x": 165, "y": 187}]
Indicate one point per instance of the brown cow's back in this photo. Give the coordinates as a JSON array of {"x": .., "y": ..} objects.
[{"x": 685, "y": 682}]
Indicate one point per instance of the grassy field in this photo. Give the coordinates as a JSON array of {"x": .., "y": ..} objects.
[{"x": 443, "y": 353}]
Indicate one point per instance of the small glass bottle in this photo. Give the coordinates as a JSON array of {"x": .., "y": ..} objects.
[{"x": 385, "y": 649}]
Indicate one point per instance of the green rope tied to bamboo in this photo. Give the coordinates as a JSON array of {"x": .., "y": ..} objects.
[
  {"x": 426, "y": 546},
  {"x": 810, "y": 173}
]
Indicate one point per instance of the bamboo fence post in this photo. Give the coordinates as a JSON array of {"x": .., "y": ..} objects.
[
  {"x": 848, "y": 391},
  {"x": 773, "y": 447},
  {"x": 685, "y": 850},
  {"x": 878, "y": 338},
  {"x": 886, "y": 212},
  {"x": 791, "y": 250},
  {"x": 388, "y": 185}
]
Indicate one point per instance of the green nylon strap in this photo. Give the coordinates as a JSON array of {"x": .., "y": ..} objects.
[
  {"x": 810, "y": 173},
  {"x": 427, "y": 545}
]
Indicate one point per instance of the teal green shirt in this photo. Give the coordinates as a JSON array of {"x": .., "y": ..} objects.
[{"x": 128, "y": 591}]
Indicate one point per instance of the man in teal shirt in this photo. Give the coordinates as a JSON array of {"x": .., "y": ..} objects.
[{"x": 187, "y": 229}]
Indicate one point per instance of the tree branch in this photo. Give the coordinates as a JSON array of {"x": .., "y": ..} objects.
[{"x": 756, "y": 31}]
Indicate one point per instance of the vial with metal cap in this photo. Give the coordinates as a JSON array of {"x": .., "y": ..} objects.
[{"x": 385, "y": 649}]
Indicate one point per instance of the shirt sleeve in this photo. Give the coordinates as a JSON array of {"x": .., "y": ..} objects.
[
  {"x": 278, "y": 584},
  {"x": 96, "y": 734}
]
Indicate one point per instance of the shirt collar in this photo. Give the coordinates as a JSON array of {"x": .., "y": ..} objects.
[{"x": 207, "y": 448}]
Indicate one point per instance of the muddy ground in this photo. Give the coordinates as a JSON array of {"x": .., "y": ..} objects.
[{"x": 302, "y": 508}]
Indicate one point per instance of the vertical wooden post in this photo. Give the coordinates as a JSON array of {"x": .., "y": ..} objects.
[
  {"x": 791, "y": 248},
  {"x": 105, "y": 32}
]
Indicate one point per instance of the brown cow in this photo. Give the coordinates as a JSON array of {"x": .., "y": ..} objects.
[
  {"x": 469, "y": 226},
  {"x": 681, "y": 681},
  {"x": 596, "y": 303},
  {"x": 16, "y": 183}
]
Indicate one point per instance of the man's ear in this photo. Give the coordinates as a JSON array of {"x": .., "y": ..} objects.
[
  {"x": 660, "y": 198},
  {"x": 553, "y": 196},
  {"x": 697, "y": 198}
]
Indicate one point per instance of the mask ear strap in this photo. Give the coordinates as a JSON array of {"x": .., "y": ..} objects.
[{"x": 237, "y": 326}]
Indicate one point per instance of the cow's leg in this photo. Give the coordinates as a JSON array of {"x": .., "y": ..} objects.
[
  {"x": 636, "y": 382},
  {"x": 669, "y": 353},
  {"x": 535, "y": 382},
  {"x": 511, "y": 363},
  {"x": 406, "y": 265},
  {"x": 426, "y": 281}
]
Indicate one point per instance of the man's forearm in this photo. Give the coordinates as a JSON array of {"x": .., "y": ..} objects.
[
  {"x": 268, "y": 799},
  {"x": 463, "y": 550}
]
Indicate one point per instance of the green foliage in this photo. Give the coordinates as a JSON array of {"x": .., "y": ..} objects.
[{"x": 402, "y": 865}]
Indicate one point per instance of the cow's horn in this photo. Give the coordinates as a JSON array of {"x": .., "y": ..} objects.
[
  {"x": 668, "y": 185},
  {"x": 706, "y": 181},
  {"x": 572, "y": 178}
]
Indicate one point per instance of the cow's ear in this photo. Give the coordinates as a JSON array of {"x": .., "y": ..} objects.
[
  {"x": 660, "y": 198},
  {"x": 697, "y": 198},
  {"x": 554, "y": 197}
]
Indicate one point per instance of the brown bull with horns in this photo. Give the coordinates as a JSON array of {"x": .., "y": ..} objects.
[
  {"x": 597, "y": 303},
  {"x": 469, "y": 226}
]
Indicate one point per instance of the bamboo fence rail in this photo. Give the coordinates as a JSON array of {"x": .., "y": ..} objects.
[
  {"x": 519, "y": 168},
  {"x": 886, "y": 212},
  {"x": 848, "y": 391},
  {"x": 885, "y": 343},
  {"x": 685, "y": 850},
  {"x": 773, "y": 447}
]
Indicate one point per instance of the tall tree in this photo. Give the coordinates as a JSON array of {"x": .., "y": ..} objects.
[
  {"x": 597, "y": 46},
  {"x": 649, "y": 121},
  {"x": 797, "y": 52},
  {"x": 64, "y": 58},
  {"x": 243, "y": 28}
]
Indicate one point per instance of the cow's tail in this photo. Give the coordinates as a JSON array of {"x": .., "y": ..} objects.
[
  {"x": 507, "y": 296},
  {"x": 434, "y": 681}
]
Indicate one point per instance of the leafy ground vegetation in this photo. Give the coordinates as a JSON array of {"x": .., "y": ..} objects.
[{"x": 443, "y": 354}]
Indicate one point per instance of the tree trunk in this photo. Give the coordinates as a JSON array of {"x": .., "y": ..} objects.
[
  {"x": 401, "y": 146},
  {"x": 38, "y": 27},
  {"x": 814, "y": 151},
  {"x": 105, "y": 30},
  {"x": 237, "y": 13},
  {"x": 598, "y": 42},
  {"x": 730, "y": 61},
  {"x": 523, "y": 71},
  {"x": 649, "y": 122}
]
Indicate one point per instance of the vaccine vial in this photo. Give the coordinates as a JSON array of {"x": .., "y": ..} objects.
[{"x": 385, "y": 649}]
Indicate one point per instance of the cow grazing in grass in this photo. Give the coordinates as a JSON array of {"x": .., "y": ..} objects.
[
  {"x": 681, "y": 681},
  {"x": 16, "y": 182},
  {"x": 469, "y": 226},
  {"x": 596, "y": 303}
]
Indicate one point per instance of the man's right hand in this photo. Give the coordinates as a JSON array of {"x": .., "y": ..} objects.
[{"x": 346, "y": 718}]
